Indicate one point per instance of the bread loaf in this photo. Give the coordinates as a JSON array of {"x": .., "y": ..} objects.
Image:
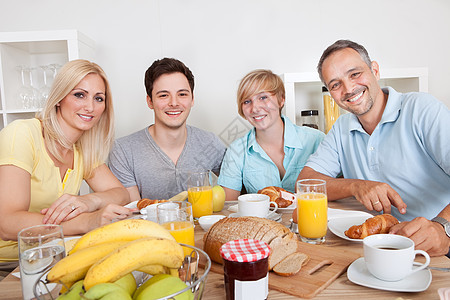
[
  {"x": 229, "y": 229},
  {"x": 378, "y": 224}
]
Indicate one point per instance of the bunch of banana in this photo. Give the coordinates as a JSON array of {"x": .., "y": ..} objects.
[
  {"x": 101, "y": 242},
  {"x": 75, "y": 266},
  {"x": 132, "y": 256},
  {"x": 125, "y": 230}
]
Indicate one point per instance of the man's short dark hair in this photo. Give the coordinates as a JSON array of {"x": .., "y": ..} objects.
[
  {"x": 339, "y": 45},
  {"x": 166, "y": 66}
]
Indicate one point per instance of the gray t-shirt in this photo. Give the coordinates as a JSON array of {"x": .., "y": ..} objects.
[{"x": 137, "y": 160}]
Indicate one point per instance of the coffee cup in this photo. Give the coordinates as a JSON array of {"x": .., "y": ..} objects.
[
  {"x": 255, "y": 205},
  {"x": 390, "y": 257}
]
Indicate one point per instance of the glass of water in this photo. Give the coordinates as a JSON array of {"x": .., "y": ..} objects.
[{"x": 40, "y": 247}]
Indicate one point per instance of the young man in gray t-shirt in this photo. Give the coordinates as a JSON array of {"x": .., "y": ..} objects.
[{"x": 154, "y": 162}]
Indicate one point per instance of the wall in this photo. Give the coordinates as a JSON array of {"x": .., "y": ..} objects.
[{"x": 223, "y": 40}]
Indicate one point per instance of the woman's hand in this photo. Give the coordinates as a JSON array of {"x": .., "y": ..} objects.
[
  {"x": 109, "y": 213},
  {"x": 68, "y": 207}
]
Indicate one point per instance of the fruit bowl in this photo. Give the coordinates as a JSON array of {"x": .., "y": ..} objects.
[{"x": 193, "y": 272}]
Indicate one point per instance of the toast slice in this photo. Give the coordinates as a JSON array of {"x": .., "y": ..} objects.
[{"x": 291, "y": 264}]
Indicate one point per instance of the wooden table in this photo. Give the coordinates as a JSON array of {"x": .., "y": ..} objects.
[{"x": 341, "y": 288}]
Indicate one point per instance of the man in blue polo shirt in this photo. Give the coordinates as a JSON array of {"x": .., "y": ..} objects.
[{"x": 392, "y": 149}]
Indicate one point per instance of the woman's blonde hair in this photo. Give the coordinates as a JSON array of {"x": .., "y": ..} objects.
[
  {"x": 94, "y": 143},
  {"x": 259, "y": 81}
]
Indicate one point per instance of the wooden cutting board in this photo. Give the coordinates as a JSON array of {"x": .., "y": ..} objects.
[{"x": 324, "y": 266}]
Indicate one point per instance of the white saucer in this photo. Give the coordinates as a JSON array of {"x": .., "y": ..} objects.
[
  {"x": 417, "y": 282},
  {"x": 271, "y": 216},
  {"x": 338, "y": 226}
]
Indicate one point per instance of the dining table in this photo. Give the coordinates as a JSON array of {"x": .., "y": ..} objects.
[{"x": 340, "y": 288}]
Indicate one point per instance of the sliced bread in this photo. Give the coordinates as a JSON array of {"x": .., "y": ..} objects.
[
  {"x": 281, "y": 247},
  {"x": 291, "y": 264}
]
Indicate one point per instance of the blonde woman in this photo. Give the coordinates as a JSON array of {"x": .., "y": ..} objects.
[
  {"x": 44, "y": 160},
  {"x": 274, "y": 152}
]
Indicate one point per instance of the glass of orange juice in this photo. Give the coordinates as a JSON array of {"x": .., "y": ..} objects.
[
  {"x": 312, "y": 207},
  {"x": 200, "y": 194},
  {"x": 176, "y": 217}
]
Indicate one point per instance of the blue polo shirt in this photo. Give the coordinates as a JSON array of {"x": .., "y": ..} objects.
[
  {"x": 245, "y": 162},
  {"x": 409, "y": 150}
]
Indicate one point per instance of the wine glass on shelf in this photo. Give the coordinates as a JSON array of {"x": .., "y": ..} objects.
[
  {"x": 24, "y": 91},
  {"x": 54, "y": 68},
  {"x": 44, "y": 91},
  {"x": 35, "y": 95}
]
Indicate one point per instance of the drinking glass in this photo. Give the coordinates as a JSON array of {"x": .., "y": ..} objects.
[
  {"x": 25, "y": 93},
  {"x": 200, "y": 193},
  {"x": 40, "y": 247},
  {"x": 176, "y": 217},
  {"x": 312, "y": 206},
  {"x": 35, "y": 95},
  {"x": 44, "y": 91}
]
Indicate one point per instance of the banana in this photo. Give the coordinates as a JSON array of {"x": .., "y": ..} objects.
[
  {"x": 100, "y": 290},
  {"x": 154, "y": 269},
  {"x": 179, "y": 197},
  {"x": 124, "y": 230},
  {"x": 132, "y": 256},
  {"x": 75, "y": 266}
]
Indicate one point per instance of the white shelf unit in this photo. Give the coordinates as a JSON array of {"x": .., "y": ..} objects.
[
  {"x": 304, "y": 90},
  {"x": 34, "y": 48}
]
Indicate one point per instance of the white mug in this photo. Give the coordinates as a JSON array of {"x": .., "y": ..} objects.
[
  {"x": 390, "y": 257},
  {"x": 255, "y": 205}
]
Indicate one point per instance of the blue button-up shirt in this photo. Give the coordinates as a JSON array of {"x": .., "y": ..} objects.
[
  {"x": 245, "y": 162},
  {"x": 409, "y": 150}
]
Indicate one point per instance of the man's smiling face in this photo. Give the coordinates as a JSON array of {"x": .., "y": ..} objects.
[{"x": 351, "y": 82}]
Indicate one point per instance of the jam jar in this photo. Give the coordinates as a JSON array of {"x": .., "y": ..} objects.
[{"x": 246, "y": 269}]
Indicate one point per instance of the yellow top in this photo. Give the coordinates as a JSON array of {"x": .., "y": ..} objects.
[{"x": 22, "y": 145}]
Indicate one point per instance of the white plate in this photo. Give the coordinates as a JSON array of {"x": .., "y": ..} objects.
[
  {"x": 289, "y": 208},
  {"x": 131, "y": 204},
  {"x": 271, "y": 216},
  {"x": 417, "y": 282},
  {"x": 338, "y": 226}
]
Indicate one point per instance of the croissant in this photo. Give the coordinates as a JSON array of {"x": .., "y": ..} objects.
[
  {"x": 146, "y": 202},
  {"x": 378, "y": 224},
  {"x": 274, "y": 192}
]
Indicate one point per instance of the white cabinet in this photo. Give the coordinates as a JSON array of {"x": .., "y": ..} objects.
[
  {"x": 34, "y": 49},
  {"x": 304, "y": 90}
]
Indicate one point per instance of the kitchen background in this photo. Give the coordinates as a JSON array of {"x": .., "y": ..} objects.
[{"x": 220, "y": 41}]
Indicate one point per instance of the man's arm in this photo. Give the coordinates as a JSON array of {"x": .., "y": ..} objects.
[
  {"x": 230, "y": 194},
  {"x": 427, "y": 235},
  {"x": 134, "y": 193},
  {"x": 372, "y": 194}
]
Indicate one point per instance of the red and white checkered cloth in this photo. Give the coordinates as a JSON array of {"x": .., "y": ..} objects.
[{"x": 244, "y": 250}]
